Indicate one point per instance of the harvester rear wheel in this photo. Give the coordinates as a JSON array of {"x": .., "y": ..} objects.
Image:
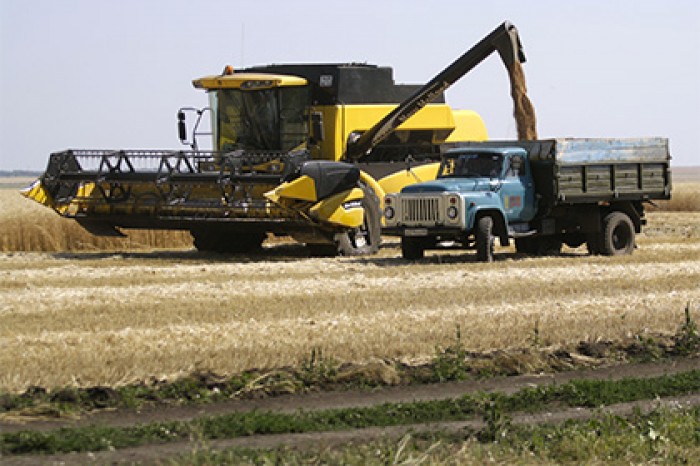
[{"x": 365, "y": 239}]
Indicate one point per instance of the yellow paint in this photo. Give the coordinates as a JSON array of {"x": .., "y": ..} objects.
[
  {"x": 468, "y": 127},
  {"x": 341, "y": 120},
  {"x": 447, "y": 125},
  {"x": 241, "y": 80},
  {"x": 331, "y": 210},
  {"x": 368, "y": 180},
  {"x": 395, "y": 182},
  {"x": 36, "y": 192},
  {"x": 303, "y": 189}
]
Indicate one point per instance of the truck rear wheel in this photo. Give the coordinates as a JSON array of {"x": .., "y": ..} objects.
[
  {"x": 412, "y": 248},
  {"x": 227, "y": 242},
  {"x": 365, "y": 239},
  {"x": 484, "y": 239},
  {"x": 618, "y": 235}
]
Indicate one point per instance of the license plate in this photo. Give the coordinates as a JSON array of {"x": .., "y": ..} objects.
[{"x": 416, "y": 232}]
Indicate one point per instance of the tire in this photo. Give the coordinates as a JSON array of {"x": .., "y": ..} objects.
[
  {"x": 484, "y": 239},
  {"x": 618, "y": 235},
  {"x": 365, "y": 239},
  {"x": 412, "y": 248},
  {"x": 227, "y": 242}
]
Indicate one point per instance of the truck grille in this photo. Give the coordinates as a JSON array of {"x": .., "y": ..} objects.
[{"x": 421, "y": 210}]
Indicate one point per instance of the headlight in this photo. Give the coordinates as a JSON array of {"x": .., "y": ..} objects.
[
  {"x": 389, "y": 213},
  {"x": 452, "y": 212}
]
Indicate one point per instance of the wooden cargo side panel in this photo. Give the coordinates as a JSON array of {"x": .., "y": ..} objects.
[
  {"x": 578, "y": 183},
  {"x": 602, "y": 170}
]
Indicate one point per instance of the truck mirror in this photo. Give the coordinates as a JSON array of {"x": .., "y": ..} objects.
[
  {"x": 181, "y": 127},
  {"x": 516, "y": 163},
  {"x": 317, "y": 126}
]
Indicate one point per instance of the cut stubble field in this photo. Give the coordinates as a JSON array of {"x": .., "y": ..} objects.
[{"x": 115, "y": 318}]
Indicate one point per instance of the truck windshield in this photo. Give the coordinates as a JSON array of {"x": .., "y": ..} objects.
[
  {"x": 472, "y": 166},
  {"x": 265, "y": 119}
]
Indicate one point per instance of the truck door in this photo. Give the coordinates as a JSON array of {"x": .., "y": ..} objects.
[{"x": 517, "y": 191}]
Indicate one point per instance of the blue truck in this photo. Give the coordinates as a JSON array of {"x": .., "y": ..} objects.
[{"x": 541, "y": 194}]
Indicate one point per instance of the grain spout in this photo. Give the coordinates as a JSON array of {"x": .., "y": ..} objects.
[{"x": 523, "y": 110}]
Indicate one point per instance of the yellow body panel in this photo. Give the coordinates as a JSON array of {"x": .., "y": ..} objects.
[
  {"x": 397, "y": 181},
  {"x": 469, "y": 127},
  {"x": 302, "y": 189},
  {"x": 36, "y": 192},
  {"x": 446, "y": 125},
  {"x": 342, "y": 120},
  {"x": 248, "y": 80},
  {"x": 331, "y": 210}
]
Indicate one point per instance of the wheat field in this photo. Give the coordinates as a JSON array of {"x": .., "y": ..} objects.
[
  {"x": 28, "y": 226},
  {"x": 116, "y": 317}
]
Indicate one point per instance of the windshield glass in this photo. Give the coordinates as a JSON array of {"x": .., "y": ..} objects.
[
  {"x": 265, "y": 119},
  {"x": 472, "y": 166}
]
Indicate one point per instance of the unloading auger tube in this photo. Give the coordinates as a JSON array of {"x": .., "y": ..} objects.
[{"x": 504, "y": 40}]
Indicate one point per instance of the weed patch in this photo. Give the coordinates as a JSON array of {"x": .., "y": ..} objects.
[
  {"x": 661, "y": 437},
  {"x": 492, "y": 407}
]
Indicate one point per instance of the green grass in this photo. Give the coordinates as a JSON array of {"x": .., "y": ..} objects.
[
  {"x": 489, "y": 406},
  {"x": 662, "y": 437}
]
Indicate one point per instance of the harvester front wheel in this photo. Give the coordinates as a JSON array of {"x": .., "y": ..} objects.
[{"x": 365, "y": 239}]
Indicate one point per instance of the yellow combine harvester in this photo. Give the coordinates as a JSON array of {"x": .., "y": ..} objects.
[{"x": 307, "y": 151}]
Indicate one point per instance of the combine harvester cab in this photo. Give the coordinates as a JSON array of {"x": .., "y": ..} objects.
[{"x": 307, "y": 151}]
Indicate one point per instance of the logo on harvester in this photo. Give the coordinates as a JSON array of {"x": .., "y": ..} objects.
[{"x": 352, "y": 205}]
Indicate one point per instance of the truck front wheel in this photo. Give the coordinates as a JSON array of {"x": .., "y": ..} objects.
[
  {"x": 484, "y": 239},
  {"x": 618, "y": 235}
]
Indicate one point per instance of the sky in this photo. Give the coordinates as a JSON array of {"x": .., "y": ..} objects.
[{"x": 96, "y": 74}]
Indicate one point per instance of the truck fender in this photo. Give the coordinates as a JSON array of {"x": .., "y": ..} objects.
[
  {"x": 500, "y": 227},
  {"x": 634, "y": 210}
]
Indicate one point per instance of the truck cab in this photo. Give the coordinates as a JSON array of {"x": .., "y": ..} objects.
[{"x": 471, "y": 183}]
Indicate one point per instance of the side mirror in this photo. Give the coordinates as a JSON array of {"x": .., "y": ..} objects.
[
  {"x": 516, "y": 165},
  {"x": 181, "y": 126}
]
